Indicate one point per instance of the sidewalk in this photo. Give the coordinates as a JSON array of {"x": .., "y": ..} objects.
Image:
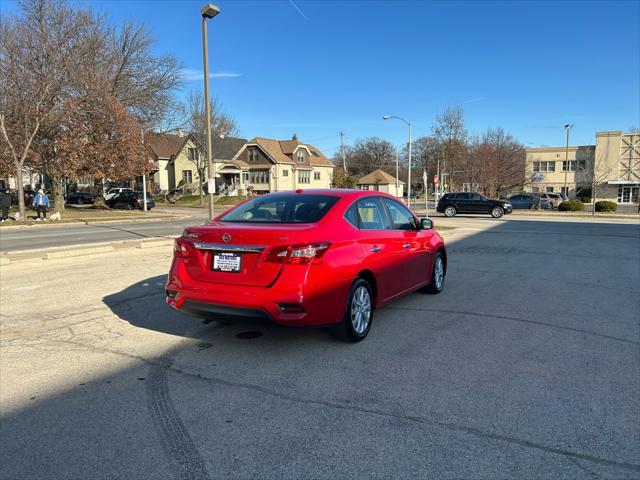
[{"x": 51, "y": 253}]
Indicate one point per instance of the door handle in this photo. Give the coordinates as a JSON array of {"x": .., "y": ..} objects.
[
  {"x": 406, "y": 245},
  {"x": 375, "y": 249}
]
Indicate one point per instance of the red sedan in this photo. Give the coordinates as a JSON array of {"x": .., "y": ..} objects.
[{"x": 306, "y": 258}]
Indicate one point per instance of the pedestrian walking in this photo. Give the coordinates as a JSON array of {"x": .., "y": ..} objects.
[
  {"x": 41, "y": 204},
  {"x": 5, "y": 203}
]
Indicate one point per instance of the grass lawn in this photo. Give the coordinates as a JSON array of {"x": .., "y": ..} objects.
[{"x": 194, "y": 201}]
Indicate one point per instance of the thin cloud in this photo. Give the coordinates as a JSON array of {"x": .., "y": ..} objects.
[
  {"x": 298, "y": 9},
  {"x": 476, "y": 99},
  {"x": 191, "y": 75}
]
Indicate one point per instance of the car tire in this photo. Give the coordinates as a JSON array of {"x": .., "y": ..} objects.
[
  {"x": 359, "y": 303},
  {"x": 497, "y": 212},
  {"x": 450, "y": 211},
  {"x": 437, "y": 276}
]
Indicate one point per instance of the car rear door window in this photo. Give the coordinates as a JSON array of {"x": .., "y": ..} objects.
[
  {"x": 401, "y": 217},
  {"x": 294, "y": 208},
  {"x": 372, "y": 214}
]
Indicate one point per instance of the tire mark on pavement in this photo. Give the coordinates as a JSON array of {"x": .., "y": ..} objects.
[
  {"x": 176, "y": 441},
  {"x": 451, "y": 426}
]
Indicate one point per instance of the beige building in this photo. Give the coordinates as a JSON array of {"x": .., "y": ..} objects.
[
  {"x": 264, "y": 165},
  {"x": 176, "y": 159},
  {"x": 381, "y": 181},
  {"x": 613, "y": 162}
]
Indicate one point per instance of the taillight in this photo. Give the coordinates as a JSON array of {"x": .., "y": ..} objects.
[
  {"x": 181, "y": 248},
  {"x": 297, "y": 254}
]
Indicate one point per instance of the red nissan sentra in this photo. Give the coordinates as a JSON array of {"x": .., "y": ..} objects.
[{"x": 306, "y": 258}]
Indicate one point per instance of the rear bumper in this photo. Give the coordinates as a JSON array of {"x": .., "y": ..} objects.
[
  {"x": 224, "y": 312},
  {"x": 318, "y": 290}
]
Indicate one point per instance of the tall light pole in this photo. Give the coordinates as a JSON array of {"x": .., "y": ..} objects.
[
  {"x": 567, "y": 128},
  {"x": 208, "y": 11},
  {"x": 397, "y": 169},
  {"x": 387, "y": 117}
]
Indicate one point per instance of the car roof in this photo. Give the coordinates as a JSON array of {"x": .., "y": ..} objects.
[{"x": 336, "y": 192}]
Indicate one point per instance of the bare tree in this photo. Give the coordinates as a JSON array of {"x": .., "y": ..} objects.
[
  {"x": 495, "y": 162},
  {"x": 37, "y": 51},
  {"x": 141, "y": 81},
  {"x": 222, "y": 125},
  {"x": 449, "y": 131},
  {"x": 369, "y": 154},
  {"x": 596, "y": 173},
  {"x": 54, "y": 54}
]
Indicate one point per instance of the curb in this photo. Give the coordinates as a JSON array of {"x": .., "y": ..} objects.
[{"x": 80, "y": 251}]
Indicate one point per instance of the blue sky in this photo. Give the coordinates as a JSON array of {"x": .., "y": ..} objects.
[{"x": 318, "y": 67}]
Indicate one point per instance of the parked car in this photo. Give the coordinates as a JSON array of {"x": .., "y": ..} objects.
[
  {"x": 81, "y": 198},
  {"x": 113, "y": 191},
  {"x": 526, "y": 201},
  {"x": 471, "y": 202},
  {"x": 130, "y": 200},
  {"x": 28, "y": 196},
  {"x": 554, "y": 199},
  {"x": 306, "y": 258}
]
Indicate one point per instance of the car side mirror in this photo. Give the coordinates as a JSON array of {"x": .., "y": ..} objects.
[{"x": 426, "y": 223}]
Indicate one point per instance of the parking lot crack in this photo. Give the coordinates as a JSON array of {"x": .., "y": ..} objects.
[{"x": 516, "y": 319}]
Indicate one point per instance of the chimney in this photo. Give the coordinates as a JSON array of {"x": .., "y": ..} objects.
[
  {"x": 294, "y": 137},
  {"x": 179, "y": 132}
]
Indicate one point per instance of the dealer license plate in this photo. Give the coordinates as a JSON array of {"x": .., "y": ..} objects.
[{"x": 227, "y": 262}]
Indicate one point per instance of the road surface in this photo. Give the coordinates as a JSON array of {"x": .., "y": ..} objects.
[{"x": 526, "y": 366}]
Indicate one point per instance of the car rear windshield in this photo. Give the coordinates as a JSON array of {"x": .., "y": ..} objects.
[{"x": 293, "y": 208}]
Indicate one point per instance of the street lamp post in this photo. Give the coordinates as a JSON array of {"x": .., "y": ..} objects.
[
  {"x": 387, "y": 117},
  {"x": 567, "y": 128},
  {"x": 208, "y": 11}
]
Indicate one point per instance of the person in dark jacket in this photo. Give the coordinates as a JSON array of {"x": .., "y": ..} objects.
[{"x": 5, "y": 203}]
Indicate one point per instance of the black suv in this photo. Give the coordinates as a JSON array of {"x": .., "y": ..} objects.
[
  {"x": 471, "y": 202},
  {"x": 129, "y": 200}
]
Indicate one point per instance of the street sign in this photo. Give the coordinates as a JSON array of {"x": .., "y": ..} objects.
[{"x": 211, "y": 186}]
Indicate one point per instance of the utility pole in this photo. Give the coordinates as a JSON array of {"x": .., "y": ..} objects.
[
  {"x": 144, "y": 176},
  {"x": 344, "y": 160},
  {"x": 567, "y": 128}
]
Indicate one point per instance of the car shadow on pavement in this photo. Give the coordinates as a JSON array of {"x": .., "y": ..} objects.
[{"x": 143, "y": 306}]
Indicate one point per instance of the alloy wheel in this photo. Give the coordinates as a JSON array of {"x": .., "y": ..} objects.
[
  {"x": 438, "y": 273},
  {"x": 361, "y": 310}
]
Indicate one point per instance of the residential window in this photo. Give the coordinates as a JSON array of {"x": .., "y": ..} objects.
[
  {"x": 544, "y": 166},
  {"x": 564, "y": 191},
  {"x": 259, "y": 176},
  {"x": 549, "y": 190},
  {"x": 304, "y": 176},
  {"x": 192, "y": 153},
  {"x": 535, "y": 190},
  {"x": 285, "y": 173},
  {"x": 300, "y": 156},
  {"x": 253, "y": 155},
  {"x": 245, "y": 177},
  {"x": 316, "y": 175},
  {"x": 574, "y": 166},
  {"x": 187, "y": 176}
]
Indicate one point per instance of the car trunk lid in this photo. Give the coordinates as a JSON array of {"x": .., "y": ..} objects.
[{"x": 216, "y": 247}]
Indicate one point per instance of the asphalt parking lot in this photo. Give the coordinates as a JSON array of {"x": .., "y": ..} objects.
[{"x": 527, "y": 366}]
